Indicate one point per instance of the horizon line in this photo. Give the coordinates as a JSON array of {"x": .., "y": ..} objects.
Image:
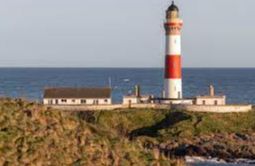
[{"x": 30, "y": 67}]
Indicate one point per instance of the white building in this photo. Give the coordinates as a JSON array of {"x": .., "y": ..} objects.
[
  {"x": 137, "y": 98},
  {"x": 211, "y": 99},
  {"x": 133, "y": 99},
  {"x": 77, "y": 96},
  {"x": 207, "y": 100}
]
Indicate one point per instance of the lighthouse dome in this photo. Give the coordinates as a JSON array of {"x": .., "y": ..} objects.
[{"x": 173, "y": 7}]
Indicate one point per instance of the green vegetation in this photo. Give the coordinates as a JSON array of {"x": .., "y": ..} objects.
[
  {"x": 33, "y": 135},
  {"x": 184, "y": 133},
  {"x": 165, "y": 124}
]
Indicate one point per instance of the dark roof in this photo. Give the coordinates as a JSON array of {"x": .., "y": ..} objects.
[
  {"x": 77, "y": 93},
  {"x": 173, "y": 7}
]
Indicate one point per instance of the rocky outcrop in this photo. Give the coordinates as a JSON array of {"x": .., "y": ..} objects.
[{"x": 223, "y": 146}]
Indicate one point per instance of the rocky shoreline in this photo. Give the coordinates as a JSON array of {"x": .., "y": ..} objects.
[
  {"x": 197, "y": 161},
  {"x": 227, "y": 147}
]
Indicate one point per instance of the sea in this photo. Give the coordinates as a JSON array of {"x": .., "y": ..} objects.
[{"x": 238, "y": 84}]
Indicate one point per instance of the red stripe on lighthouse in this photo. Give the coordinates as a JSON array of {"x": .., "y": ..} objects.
[
  {"x": 173, "y": 24},
  {"x": 173, "y": 67}
]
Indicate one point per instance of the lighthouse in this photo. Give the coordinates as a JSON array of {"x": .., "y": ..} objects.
[{"x": 173, "y": 64}]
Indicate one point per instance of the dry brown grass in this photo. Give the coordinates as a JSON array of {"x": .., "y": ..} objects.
[{"x": 33, "y": 135}]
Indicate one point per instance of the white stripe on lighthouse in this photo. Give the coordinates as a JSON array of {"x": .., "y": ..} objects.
[
  {"x": 173, "y": 45},
  {"x": 173, "y": 88}
]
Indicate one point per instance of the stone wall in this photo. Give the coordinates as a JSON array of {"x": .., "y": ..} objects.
[
  {"x": 193, "y": 108},
  {"x": 214, "y": 109},
  {"x": 85, "y": 107},
  {"x": 108, "y": 107}
]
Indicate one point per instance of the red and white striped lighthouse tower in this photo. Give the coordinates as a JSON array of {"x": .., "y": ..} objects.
[{"x": 173, "y": 64}]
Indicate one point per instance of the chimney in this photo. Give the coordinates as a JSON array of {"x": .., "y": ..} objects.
[{"x": 211, "y": 90}]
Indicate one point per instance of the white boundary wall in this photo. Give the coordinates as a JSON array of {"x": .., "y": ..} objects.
[
  {"x": 108, "y": 107},
  {"x": 214, "y": 109},
  {"x": 191, "y": 108}
]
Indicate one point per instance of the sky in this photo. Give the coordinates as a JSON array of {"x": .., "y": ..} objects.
[{"x": 124, "y": 33}]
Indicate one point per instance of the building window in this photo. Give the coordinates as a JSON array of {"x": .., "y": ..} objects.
[
  {"x": 83, "y": 101},
  {"x": 105, "y": 100},
  {"x": 204, "y": 102},
  {"x": 63, "y": 100},
  {"x": 216, "y": 102},
  {"x": 95, "y": 102},
  {"x": 73, "y": 100}
]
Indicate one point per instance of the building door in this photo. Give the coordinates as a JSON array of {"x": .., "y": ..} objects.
[
  {"x": 56, "y": 101},
  {"x": 129, "y": 103},
  {"x": 50, "y": 102},
  {"x": 179, "y": 94}
]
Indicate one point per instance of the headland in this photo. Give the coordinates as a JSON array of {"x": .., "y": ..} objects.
[{"x": 34, "y": 133}]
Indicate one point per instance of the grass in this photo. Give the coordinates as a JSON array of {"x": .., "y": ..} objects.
[
  {"x": 30, "y": 133},
  {"x": 33, "y": 135},
  {"x": 126, "y": 121},
  {"x": 164, "y": 124}
]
